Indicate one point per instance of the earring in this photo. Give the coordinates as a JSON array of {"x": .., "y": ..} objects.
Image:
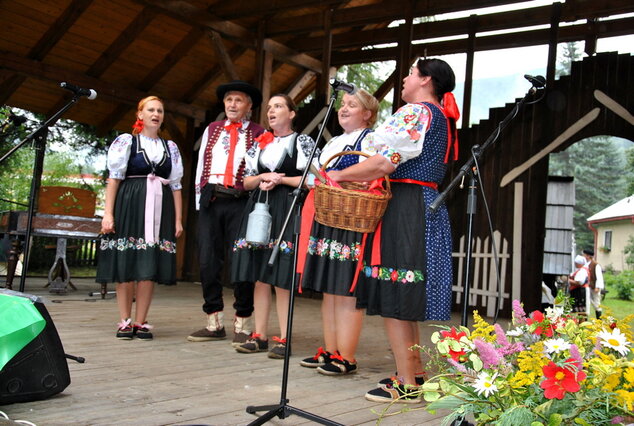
[{"x": 138, "y": 125}]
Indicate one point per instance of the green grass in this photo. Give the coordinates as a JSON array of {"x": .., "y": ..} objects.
[{"x": 619, "y": 308}]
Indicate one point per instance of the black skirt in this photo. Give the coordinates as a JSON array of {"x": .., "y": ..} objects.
[
  {"x": 396, "y": 288},
  {"x": 331, "y": 260},
  {"x": 250, "y": 261},
  {"x": 125, "y": 255}
]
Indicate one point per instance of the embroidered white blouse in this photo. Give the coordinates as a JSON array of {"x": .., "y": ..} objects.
[
  {"x": 274, "y": 153},
  {"x": 402, "y": 133},
  {"x": 119, "y": 154}
]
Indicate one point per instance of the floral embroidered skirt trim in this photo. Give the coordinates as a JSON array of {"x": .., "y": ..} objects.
[
  {"x": 331, "y": 260},
  {"x": 125, "y": 255},
  {"x": 413, "y": 281},
  {"x": 249, "y": 262}
]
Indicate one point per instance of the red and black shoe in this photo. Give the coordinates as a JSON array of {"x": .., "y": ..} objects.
[{"x": 321, "y": 357}]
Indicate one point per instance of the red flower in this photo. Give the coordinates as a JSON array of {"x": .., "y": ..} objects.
[
  {"x": 395, "y": 158},
  {"x": 409, "y": 117},
  {"x": 541, "y": 325},
  {"x": 264, "y": 139},
  {"x": 453, "y": 334},
  {"x": 394, "y": 275},
  {"x": 560, "y": 380},
  {"x": 413, "y": 134}
]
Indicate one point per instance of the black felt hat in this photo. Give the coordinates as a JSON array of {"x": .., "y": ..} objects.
[{"x": 240, "y": 86}]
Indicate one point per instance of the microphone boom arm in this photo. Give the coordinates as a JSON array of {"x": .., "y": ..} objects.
[{"x": 466, "y": 168}]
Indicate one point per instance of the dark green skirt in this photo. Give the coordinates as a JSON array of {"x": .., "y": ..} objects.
[{"x": 125, "y": 255}]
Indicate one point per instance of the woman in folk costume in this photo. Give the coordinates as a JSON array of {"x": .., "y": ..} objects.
[
  {"x": 333, "y": 253},
  {"x": 142, "y": 217},
  {"x": 273, "y": 168},
  {"x": 407, "y": 272}
]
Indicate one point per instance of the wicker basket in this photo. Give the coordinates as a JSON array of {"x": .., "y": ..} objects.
[{"x": 350, "y": 207}]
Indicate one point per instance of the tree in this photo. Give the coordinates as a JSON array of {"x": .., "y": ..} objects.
[
  {"x": 597, "y": 167},
  {"x": 630, "y": 166},
  {"x": 71, "y": 149},
  {"x": 570, "y": 52},
  {"x": 368, "y": 76}
]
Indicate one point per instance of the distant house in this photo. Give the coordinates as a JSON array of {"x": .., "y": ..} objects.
[{"x": 612, "y": 228}]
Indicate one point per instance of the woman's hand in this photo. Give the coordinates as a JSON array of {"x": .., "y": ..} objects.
[
  {"x": 179, "y": 229},
  {"x": 270, "y": 180},
  {"x": 107, "y": 224}
]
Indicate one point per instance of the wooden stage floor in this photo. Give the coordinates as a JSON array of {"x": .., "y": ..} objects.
[{"x": 170, "y": 381}]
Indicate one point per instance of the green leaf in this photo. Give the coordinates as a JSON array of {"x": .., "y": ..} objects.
[
  {"x": 430, "y": 396},
  {"x": 554, "y": 419},
  {"x": 476, "y": 361},
  {"x": 448, "y": 402}
]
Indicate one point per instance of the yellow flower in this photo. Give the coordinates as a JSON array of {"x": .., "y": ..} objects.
[
  {"x": 625, "y": 397},
  {"x": 521, "y": 379},
  {"x": 629, "y": 377},
  {"x": 533, "y": 360},
  {"x": 611, "y": 382},
  {"x": 482, "y": 329}
]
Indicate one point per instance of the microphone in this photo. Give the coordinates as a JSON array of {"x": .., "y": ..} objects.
[
  {"x": 538, "y": 81},
  {"x": 349, "y": 88},
  {"x": 79, "y": 91}
]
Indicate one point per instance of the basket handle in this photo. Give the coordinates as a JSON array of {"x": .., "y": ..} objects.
[{"x": 339, "y": 154}]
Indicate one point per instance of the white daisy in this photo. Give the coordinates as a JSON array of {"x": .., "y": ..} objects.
[
  {"x": 516, "y": 332},
  {"x": 485, "y": 384},
  {"x": 554, "y": 313},
  {"x": 556, "y": 345},
  {"x": 615, "y": 340}
]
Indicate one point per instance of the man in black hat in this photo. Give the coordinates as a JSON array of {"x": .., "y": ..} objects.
[{"x": 220, "y": 199}]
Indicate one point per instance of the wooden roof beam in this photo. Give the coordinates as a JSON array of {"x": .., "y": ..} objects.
[
  {"x": 245, "y": 8},
  {"x": 453, "y": 27},
  {"x": 224, "y": 59},
  {"x": 192, "y": 15},
  {"x": 128, "y": 95},
  {"x": 503, "y": 41},
  {"x": 112, "y": 52},
  {"x": 122, "y": 42},
  {"x": 46, "y": 43},
  {"x": 384, "y": 12},
  {"x": 154, "y": 76},
  {"x": 212, "y": 74}
]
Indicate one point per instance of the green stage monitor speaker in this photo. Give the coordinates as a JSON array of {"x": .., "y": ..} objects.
[{"x": 39, "y": 370}]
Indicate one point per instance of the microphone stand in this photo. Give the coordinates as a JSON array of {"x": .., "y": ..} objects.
[
  {"x": 468, "y": 169},
  {"x": 39, "y": 138},
  {"x": 282, "y": 409}
]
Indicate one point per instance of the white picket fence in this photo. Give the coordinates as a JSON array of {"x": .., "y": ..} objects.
[{"x": 483, "y": 290}]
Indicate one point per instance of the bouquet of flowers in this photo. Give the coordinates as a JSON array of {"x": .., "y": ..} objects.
[{"x": 552, "y": 368}]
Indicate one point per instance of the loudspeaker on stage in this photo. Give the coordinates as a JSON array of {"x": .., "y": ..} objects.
[{"x": 39, "y": 370}]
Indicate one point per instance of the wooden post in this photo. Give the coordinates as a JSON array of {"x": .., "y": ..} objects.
[
  {"x": 404, "y": 60},
  {"x": 264, "y": 71},
  {"x": 323, "y": 82},
  {"x": 552, "y": 44},
  {"x": 468, "y": 83}
]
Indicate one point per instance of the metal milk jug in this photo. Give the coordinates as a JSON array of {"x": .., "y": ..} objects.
[{"x": 259, "y": 222}]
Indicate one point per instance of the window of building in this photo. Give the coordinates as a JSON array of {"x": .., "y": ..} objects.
[{"x": 607, "y": 240}]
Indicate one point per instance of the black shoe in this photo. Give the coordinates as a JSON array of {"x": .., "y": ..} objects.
[
  {"x": 253, "y": 345},
  {"x": 205, "y": 335},
  {"x": 142, "y": 331},
  {"x": 278, "y": 351},
  {"x": 338, "y": 367},
  {"x": 403, "y": 394},
  {"x": 390, "y": 380},
  {"x": 321, "y": 357},
  {"x": 125, "y": 330}
]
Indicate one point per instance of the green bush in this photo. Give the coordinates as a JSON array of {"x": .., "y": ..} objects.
[{"x": 622, "y": 284}]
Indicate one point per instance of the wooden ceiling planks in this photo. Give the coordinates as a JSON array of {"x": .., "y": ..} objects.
[{"x": 130, "y": 47}]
